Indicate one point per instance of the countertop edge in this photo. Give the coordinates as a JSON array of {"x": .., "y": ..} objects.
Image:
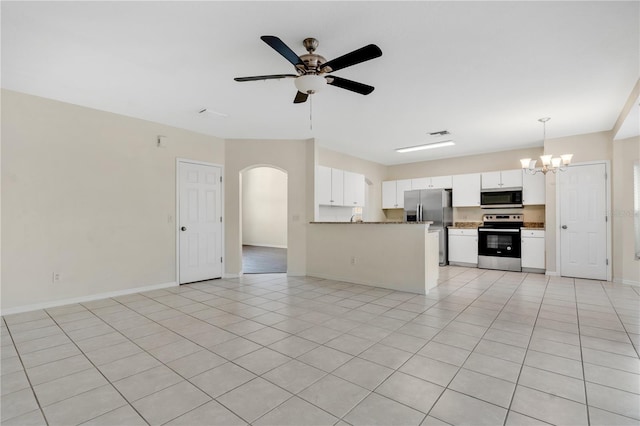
[{"x": 370, "y": 223}]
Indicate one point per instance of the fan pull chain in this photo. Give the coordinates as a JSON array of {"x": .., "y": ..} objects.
[{"x": 310, "y": 112}]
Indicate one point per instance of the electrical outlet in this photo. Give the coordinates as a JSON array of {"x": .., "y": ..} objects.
[{"x": 55, "y": 278}]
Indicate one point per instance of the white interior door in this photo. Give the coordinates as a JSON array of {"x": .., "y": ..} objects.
[
  {"x": 199, "y": 222},
  {"x": 583, "y": 223}
]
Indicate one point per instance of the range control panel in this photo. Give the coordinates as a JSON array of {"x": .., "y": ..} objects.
[{"x": 502, "y": 218}]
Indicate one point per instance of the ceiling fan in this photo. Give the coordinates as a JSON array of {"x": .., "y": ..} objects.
[{"x": 312, "y": 69}]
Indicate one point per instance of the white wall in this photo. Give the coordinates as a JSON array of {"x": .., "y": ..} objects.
[
  {"x": 504, "y": 160},
  {"x": 297, "y": 159},
  {"x": 87, "y": 194},
  {"x": 264, "y": 207},
  {"x": 626, "y": 268}
]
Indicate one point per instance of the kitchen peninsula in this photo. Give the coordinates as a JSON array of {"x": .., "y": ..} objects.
[{"x": 394, "y": 255}]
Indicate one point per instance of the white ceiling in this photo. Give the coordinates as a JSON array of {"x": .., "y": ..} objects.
[{"x": 485, "y": 71}]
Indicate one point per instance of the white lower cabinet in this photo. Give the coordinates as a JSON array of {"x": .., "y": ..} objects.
[
  {"x": 532, "y": 255},
  {"x": 463, "y": 247}
]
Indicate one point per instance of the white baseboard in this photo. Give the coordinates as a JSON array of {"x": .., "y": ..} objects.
[
  {"x": 265, "y": 245},
  {"x": 238, "y": 275},
  {"x": 552, "y": 273},
  {"x": 628, "y": 282},
  {"x": 89, "y": 298}
]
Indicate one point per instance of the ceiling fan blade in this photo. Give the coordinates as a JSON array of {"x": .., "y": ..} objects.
[
  {"x": 279, "y": 46},
  {"x": 363, "y": 54},
  {"x": 300, "y": 98},
  {"x": 354, "y": 86},
  {"x": 265, "y": 77}
]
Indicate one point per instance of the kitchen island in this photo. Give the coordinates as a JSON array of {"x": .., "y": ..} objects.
[{"x": 394, "y": 255}]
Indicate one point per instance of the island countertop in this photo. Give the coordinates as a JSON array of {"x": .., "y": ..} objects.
[{"x": 372, "y": 223}]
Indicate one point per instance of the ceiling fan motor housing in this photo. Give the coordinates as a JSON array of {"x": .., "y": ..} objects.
[{"x": 312, "y": 63}]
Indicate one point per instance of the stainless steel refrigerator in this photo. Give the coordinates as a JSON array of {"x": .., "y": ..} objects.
[{"x": 423, "y": 205}]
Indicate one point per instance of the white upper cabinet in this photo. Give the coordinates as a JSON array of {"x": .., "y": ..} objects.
[
  {"x": 420, "y": 183},
  {"x": 511, "y": 178},
  {"x": 503, "y": 179},
  {"x": 330, "y": 186},
  {"x": 436, "y": 182},
  {"x": 441, "y": 182},
  {"x": 533, "y": 189},
  {"x": 323, "y": 185},
  {"x": 466, "y": 190},
  {"x": 491, "y": 180},
  {"x": 353, "y": 189},
  {"x": 393, "y": 193}
]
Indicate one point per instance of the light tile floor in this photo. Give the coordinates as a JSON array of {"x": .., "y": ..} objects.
[{"x": 484, "y": 347}]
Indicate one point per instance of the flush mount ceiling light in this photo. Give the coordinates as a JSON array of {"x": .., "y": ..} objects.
[
  {"x": 212, "y": 112},
  {"x": 425, "y": 146},
  {"x": 549, "y": 162}
]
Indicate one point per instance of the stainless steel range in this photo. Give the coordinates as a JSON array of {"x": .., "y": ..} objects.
[{"x": 499, "y": 242}]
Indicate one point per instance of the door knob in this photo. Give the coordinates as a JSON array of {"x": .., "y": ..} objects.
[
  {"x": 184, "y": 228},
  {"x": 564, "y": 226}
]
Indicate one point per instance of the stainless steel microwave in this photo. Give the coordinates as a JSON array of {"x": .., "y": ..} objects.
[{"x": 501, "y": 198}]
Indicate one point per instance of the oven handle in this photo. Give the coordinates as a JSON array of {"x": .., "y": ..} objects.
[{"x": 510, "y": 231}]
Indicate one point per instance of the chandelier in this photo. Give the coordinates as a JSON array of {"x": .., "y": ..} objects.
[{"x": 549, "y": 162}]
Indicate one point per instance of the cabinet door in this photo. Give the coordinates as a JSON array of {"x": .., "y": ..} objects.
[
  {"x": 337, "y": 187},
  {"x": 421, "y": 183},
  {"x": 533, "y": 253},
  {"x": 491, "y": 180},
  {"x": 353, "y": 189},
  {"x": 441, "y": 182},
  {"x": 533, "y": 189},
  {"x": 389, "y": 194},
  {"x": 463, "y": 249},
  {"x": 323, "y": 185},
  {"x": 511, "y": 178},
  {"x": 401, "y": 186},
  {"x": 466, "y": 190}
]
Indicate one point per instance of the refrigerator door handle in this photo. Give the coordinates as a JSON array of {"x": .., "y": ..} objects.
[{"x": 419, "y": 218}]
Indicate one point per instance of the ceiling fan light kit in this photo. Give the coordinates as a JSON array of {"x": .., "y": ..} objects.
[
  {"x": 312, "y": 69},
  {"x": 310, "y": 83},
  {"x": 549, "y": 162}
]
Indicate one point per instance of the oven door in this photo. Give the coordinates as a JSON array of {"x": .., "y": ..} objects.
[{"x": 500, "y": 242}]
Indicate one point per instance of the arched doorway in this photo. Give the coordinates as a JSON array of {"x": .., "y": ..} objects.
[{"x": 264, "y": 220}]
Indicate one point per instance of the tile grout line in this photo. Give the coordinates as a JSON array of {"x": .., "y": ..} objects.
[
  {"x": 533, "y": 329},
  {"x": 584, "y": 376},
  {"x": 24, "y": 370},
  {"x": 310, "y": 302},
  {"x": 232, "y": 361},
  {"x": 620, "y": 319},
  {"x": 98, "y": 370},
  {"x": 449, "y": 322}
]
